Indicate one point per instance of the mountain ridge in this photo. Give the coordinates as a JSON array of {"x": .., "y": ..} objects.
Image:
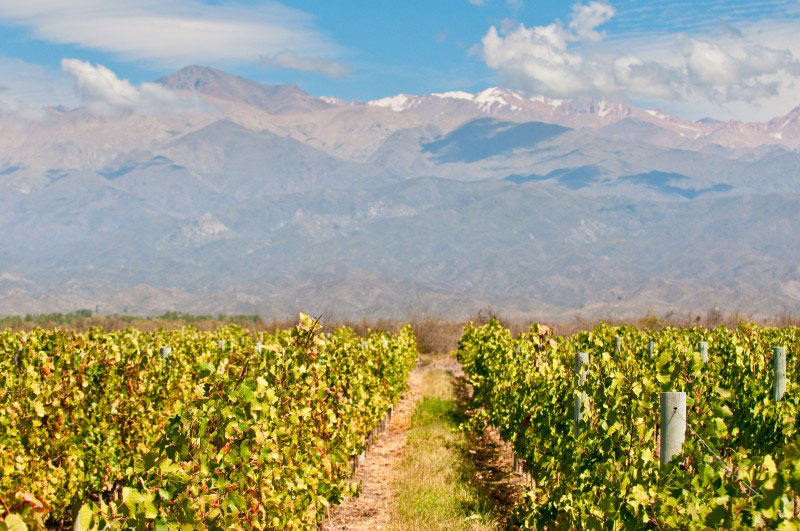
[
  {"x": 502, "y": 104},
  {"x": 265, "y": 199},
  {"x": 218, "y": 84}
]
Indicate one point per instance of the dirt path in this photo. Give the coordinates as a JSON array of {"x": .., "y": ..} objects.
[
  {"x": 371, "y": 510},
  {"x": 377, "y": 475}
]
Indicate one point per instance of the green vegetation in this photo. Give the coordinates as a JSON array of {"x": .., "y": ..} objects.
[
  {"x": 238, "y": 429},
  {"x": 609, "y": 474},
  {"x": 82, "y": 320},
  {"x": 111, "y": 429},
  {"x": 45, "y": 318},
  {"x": 434, "y": 490}
]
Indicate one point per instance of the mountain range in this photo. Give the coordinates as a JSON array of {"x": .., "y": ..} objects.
[{"x": 240, "y": 197}]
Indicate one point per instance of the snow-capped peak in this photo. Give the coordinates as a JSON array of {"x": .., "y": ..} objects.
[
  {"x": 509, "y": 104},
  {"x": 399, "y": 103},
  {"x": 552, "y": 102},
  {"x": 455, "y": 95},
  {"x": 497, "y": 95},
  {"x": 490, "y": 100},
  {"x": 486, "y": 100}
]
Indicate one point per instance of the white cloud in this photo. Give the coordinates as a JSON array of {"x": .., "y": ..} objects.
[
  {"x": 587, "y": 17},
  {"x": 536, "y": 58},
  {"x": 710, "y": 65},
  {"x": 649, "y": 80},
  {"x": 738, "y": 68},
  {"x": 738, "y": 71},
  {"x": 176, "y": 33},
  {"x": 103, "y": 92}
]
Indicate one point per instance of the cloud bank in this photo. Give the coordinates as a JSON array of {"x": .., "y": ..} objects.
[
  {"x": 103, "y": 92},
  {"x": 180, "y": 32},
  {"x": 574, "y": 59}
]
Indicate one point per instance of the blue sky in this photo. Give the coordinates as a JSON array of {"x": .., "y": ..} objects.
[{"x": 723, "y": 58}]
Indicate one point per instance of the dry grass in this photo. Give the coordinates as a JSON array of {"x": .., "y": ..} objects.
[
  {"x": 83, "y": 320},
  {"x": 433, "y": 487},
  {"x": 712, "y": 318},
  {"x": 434, "y": 334},
  {"x": 437, "y": 334}
]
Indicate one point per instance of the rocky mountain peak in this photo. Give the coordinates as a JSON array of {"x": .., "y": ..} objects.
[{"x": 220, "y": 85}]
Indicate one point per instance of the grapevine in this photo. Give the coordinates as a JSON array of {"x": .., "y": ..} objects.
[
  {"x": 739, "y": 465},
  {"x": 107, "y": 430}
]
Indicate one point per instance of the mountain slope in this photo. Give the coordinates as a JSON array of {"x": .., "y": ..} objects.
[
  {"x": 259, "y": 198},
  {"x": 216, "y": 84},
  {"x": 531, "y": 248}
]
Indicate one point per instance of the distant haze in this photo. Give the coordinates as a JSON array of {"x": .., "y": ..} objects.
[{"x": 206, "y": 192}]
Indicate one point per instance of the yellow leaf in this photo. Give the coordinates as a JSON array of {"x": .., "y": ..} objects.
[
  {"x": 84, "y": 519},
  {"x": 769, "y": 465},
  {"x": 14, "y": 523}
]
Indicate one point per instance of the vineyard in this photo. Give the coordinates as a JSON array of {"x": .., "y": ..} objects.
[
  {"x": 617, "y": 427},
  {"x": 585, "y": 420},
  {"x": 183, "y": 429}
]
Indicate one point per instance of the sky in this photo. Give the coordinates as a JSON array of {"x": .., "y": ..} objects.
[{"x": 727, "y": 59}]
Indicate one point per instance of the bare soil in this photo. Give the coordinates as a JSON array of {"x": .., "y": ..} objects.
[{"x": 371, "y": 510}]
